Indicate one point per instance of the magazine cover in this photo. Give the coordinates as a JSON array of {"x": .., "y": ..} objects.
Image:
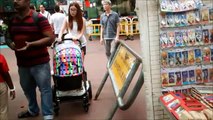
[
  {"x": 178, "y": 78},
  {"x": 198, "y": 37},
  {"x": 185, "y": 57},
  {"x": 185, "y": 37},
  {"x": 168, "y": 98},
  {"x": 171, "y": 40},
  {"x": 164, "y": 78},
  {"x": 163, "y": 22},
  {"x": 190, "y": 16},
  {"x": 198, "y": 3},
  {"x": 197, "y": 17},
  {"x": 198, "y": 73},
  {"x": 211, "y": 15},
  {"x": 171, "y": 58},
  {"x": 183, "y": 6},
  {"x": 192, "y": 76},
  {"x": 211, "y": 35},
  {"x": 178, "y": 39},
  {"x": 163, "y": 39},
  {"x": 190, "y": 4},
  {"x": 164, "y": 5},
  {"x": 191, "y": 37},
  {"x": 205, "y": 74},
  {"x": 175, "y": 103},
  {"x": 206, "y": 55},
  {"x": 185, "y": 76},
  {"x": 191, "y": 57},
  {"x": 178, "y": 58},
  {"x": 175, "y": 5},
  {"x": 172, "y": 81},
  {"x": 177, "y": 18},
  {"x": 211, "y": 47},
  {"x": 206, "y": 36},
  {"x": 210, "y": 74},
  {"x": 170, "y": 19},
  {"x": 164, "y": 59},
  {"x": 204, "y": 15},
  {"x": 183, "y": 20},
  {"x": 198, "y": 56}
]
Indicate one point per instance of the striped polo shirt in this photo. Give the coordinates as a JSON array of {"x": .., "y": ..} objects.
[{"x": 27, "y": 29}]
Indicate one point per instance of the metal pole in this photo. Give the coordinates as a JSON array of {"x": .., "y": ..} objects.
[
  {"x": 112, "y": 112},
  {"x": 101, "y": 85}
]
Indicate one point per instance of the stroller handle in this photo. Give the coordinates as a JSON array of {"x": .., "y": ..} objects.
[{"x": 66, "y": 39}]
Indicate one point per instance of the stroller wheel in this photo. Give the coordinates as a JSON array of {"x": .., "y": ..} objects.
[
  {"x": 86, "y": 103},
  {"x": 56, "y": 110},
  {"x": 55, "y": 101},
  {"x": 86, "y": 108},
  {"x": 90, "y": 90}
]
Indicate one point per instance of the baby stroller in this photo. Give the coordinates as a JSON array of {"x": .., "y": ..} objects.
[{"x": 69, "y": 76}]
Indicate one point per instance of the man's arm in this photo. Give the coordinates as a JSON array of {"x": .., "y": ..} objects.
[
  {"x": 46, "y": 41},
  {"x": 118, "y": 28},
  {"x": 48, "y": 35},
  {"x": 10, "y": 43},
  {"x": 9, "y": 82},
  {"x": 101, "y": 34},
  {"x": 101, "y": 30},
  {"x": 117, "y": 31},
  {"x": 8, "y": 38}
]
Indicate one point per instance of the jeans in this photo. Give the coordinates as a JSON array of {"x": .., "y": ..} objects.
[{"x": 30, "y": 78}]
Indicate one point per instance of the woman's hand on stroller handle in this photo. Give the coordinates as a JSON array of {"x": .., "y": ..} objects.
[{"x": 60, "y": 41}]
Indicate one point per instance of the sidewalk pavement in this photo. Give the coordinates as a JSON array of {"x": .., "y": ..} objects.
[{"x": 95, "y": 64}]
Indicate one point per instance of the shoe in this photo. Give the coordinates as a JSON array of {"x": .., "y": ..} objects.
[{"x": 26, "y": 114}]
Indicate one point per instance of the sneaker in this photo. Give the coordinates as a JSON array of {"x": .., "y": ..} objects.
[{"x": 26, "y": 114}]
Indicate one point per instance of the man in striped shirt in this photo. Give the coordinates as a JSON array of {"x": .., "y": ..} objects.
[{"x": 30, "y": 34}]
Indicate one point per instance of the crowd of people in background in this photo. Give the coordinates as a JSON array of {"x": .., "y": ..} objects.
[{"x": 74, "y": 24}]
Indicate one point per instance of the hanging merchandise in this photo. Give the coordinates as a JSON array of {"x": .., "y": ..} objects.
[
  {"x": 186, "y": 57},
  {"x": 186, "y": 42}
]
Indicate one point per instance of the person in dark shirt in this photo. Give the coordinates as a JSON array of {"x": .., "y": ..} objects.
[
  {"x": 29, "y": 36},
  {"x": 110, "y": 27}
]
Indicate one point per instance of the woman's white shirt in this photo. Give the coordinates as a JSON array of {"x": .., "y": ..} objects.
[{"x": 74, "y": 33}]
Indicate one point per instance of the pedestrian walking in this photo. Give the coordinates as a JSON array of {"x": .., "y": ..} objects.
[
  {"x": 44, "y": 12},
  {"x": 5, "y": 82},
  {"x": 56, "y": 20},
  {"x": 32, "y": 7},
  {"x": 75, "y": 24},
  {"x": 110, "y": 27},
  {"x": 30, "y": 34}
]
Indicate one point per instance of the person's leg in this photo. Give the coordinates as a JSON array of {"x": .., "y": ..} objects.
[
  {"x": 3, "y": 101},
  {"x": 28, "y": 85},
  {"x": 41, "y": 74},
  {"x": 108, "y": 47}
]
